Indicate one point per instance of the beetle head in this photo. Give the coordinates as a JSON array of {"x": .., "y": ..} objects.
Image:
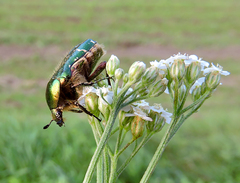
[
  {"x": 52, "y": 97},
  {"x": 56, "y": 116}
]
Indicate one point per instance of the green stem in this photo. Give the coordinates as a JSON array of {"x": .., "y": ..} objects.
[
  {"x": 123, "y": 137},
  {"x": 125, "y": 147},
  {"x": 135, "y": 151},
  {"x": 114, "y": 131},
  {"x": 100, "y": 132},
  {"x": 106, "y": 165},
  {"x": 102, "y": 142},
  {"x": 113, "y": 173},
  {"x": 156, "y": 157},
  {"x": 203, "y": 97},
  {"x": 100, "y": 170},
  {"x": 170, "y": 133},
  {"x": 100, "y": 162}
]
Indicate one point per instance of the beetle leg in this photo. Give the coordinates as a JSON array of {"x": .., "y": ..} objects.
[
  {"x": 97, "y": 71},
  {"x": 86, "y": 111},
  {"x": 76, "y": 111},
  {"x": 90, "y": 83}
]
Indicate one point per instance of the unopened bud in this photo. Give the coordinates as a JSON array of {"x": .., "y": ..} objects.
[
  {"x": 136, "y": 71},
  {"x": 112, "y": 65},
  {"x": 125, "y": 78},
  {"x": 181, "y": 92},
  {"x": 124, "y": 122},
  {"x": 212, "y": 80},
  {"x": 157, "y": 124},
  {"x": 104, "y": 108},
  {"x": 142, "y": 90},
  {"x": 91, "y": 102},
  {"x": 196, "y": 93},
  {"x": 102, "y": 82},
  {"x": 177, "y": 70},
  {"x": 203, "y": 88},
  {"x": 150, "y": 75},
  {"x": 158, "y": 88},
  {"x": 193, "y": 72},
  {"x": 119, "y": 73},
  {"x": 137, "y": 127}
]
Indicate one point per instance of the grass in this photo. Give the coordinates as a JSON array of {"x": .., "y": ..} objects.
[
  {"x": 170, "y": 23},
  {"x": 205, "y": 149}
]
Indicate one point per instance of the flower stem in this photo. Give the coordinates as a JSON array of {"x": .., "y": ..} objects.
[
  {"x": 135, "y": 151},
  {"x": 102, "y": 142},
  {"x": 156, "y": 157}
]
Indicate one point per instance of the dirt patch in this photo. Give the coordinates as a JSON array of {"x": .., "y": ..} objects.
[
  {"x": 15, "y": 51},
  {"x": 15, "y": 83},
  {"x": 163, "y": 52},
  {"x": 131, "y": 51}
]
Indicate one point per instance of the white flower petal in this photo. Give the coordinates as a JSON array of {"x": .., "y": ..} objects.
[
  {"x": 197, "y": 83},
  {"x": 215, "y": 68}
]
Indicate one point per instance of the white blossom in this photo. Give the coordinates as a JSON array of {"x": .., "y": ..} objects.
[
  {"x": 216, "y": 68},
  {"x": 198, "y": 82},
  {"x": 159, "y": 109},
  {"x": 107, "y": 95},
  {"x": 86, "y": 90},
  {"x": 194, "y": 58},
  {"x": 137, "y": 111}
]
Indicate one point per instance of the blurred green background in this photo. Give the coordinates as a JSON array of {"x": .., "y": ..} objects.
[{"x": 36, "y": 35}]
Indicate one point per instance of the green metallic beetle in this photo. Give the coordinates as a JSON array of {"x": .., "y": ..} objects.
[{"x": 67, "y": 82}]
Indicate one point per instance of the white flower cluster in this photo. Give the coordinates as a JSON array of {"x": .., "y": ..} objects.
[
  {"x": 179, "y": 73},
  {"x": 165, "y": 65}
]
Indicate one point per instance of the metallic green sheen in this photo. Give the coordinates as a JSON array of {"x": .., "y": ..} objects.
[
  {"x": 76, "y": 53},
  {"x": 64, "y": 71},
  {"x": 52, "y": 93}
]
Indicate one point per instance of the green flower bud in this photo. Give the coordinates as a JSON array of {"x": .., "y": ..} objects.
[
  {"x": 157, "y": 124},
  {"x": 177, "y": 70},
  {"x": 124, "y": 122},
  {"x": 137, "y": 127},
  {"x": 103, "y": 82},
  {"x": 181, "y": 92},
  {"x": 158, "y": 88},
  {"x": 112, "y": 65},
  {"x": 196, "y": 93},
  {"x": 104, "y": 108},
  {"x": 212, "y": 80},
  {"x": 125, "y": 78},
  {"x": 193, "y": 72},
  {"x": 91, "y": 101},
  {"x": 119, "y": 73},
  {"x": 203, "y": 88},
  {"x": 142, "y": 90},
  {"x": 136, "y": 71},
  {"x": 150, "y": 75}
]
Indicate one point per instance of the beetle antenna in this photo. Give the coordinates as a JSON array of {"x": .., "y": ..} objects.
[{"x": 46, "y": 126}]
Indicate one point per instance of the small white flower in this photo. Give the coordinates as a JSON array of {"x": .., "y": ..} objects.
[
  {"x": 107, "y": 94},
  {"x": 161, "y": 65},
  {"x": 216, "y": 68},
  {"x": 138, "y": 112},
  {"x": 86, "y": 90},
  {"x": 199, "y": 82},
  {"x": 142, "y": 104},
  {"x": 166, "y": 91},
  {"x": 159, "y": 109},
  {"x": 194, "y": 58},
  {"x": 171, "y": 59}
]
